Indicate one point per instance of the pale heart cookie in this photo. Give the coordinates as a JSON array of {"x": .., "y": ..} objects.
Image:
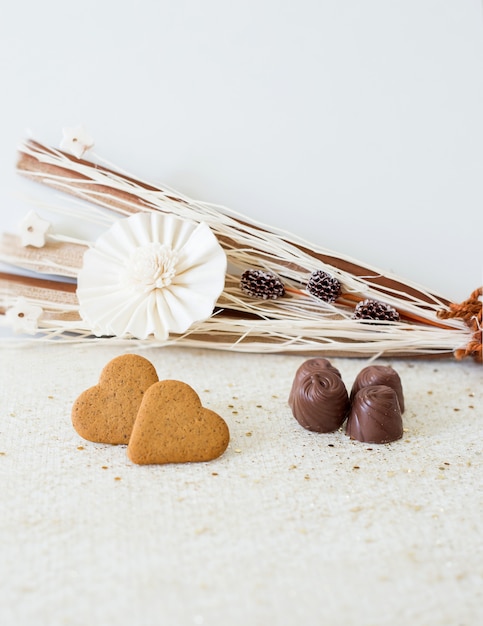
[
  {"x": 106, "y": 412},
  {"x": 173, "y": 427}
]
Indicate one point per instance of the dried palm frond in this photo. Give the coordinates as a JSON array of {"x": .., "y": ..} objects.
[{"x": 329, "y": 304}]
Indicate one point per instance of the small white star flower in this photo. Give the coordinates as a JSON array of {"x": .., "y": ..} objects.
[
  {"x": 23, "y": 317},
  {"x": 76, "y": 141},
  {"x": 34, "y": 230}
]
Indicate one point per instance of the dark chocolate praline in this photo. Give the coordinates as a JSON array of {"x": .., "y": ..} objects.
[
  {"x": 315, "y": 365},
  {"x": 375, "y": 415},
  {"x": 311, "y": 366},
  {"x": 319, "y": 400},
  {"x": 379, "y": 375}
]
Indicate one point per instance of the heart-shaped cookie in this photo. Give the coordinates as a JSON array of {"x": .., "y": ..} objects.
[
  {"x": 106, "y": 412},
  {"x": 172, "y": 426}
]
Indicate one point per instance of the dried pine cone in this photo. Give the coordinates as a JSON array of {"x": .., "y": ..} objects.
[
  {"x": 324, "y": 286},
  {"x": 375, "y": 310},
  {"x": 260, "y": 284}
]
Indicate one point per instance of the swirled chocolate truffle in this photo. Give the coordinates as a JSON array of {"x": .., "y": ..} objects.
[
  {"x": 311, "y": 366},
  {"x": 319, "y": 400},
  {"x": 379, "y": 375},
  {"x": 375, "y": 415}
]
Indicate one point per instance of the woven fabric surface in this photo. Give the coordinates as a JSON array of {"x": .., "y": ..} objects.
[{"x": 287, "y": 527}]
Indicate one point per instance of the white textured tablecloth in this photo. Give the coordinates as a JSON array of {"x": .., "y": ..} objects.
[{"x": 287, "y": 527}]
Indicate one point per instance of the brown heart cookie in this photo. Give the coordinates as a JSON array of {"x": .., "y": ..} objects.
[
  {"x": 106, "y": 412},
  {"x": 173, "y": 427}
]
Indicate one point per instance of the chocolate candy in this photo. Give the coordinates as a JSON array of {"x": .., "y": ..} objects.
[
  {"x": 375, "y": 415},
  {"x": 311, "y": 366},
  {"x": 318, "y": 398},
  {"x": 316, "y": 365},
  {"x": 379, "y": 375}
]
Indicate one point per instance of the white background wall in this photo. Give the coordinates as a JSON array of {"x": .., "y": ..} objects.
[{"x": 356, "y": 124}]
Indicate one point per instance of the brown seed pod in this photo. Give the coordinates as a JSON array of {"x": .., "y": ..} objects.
[
  {"x": 324, "y": 286},
  {"x": 260, "y": 284},
  {"x": 375, "y": 310}
]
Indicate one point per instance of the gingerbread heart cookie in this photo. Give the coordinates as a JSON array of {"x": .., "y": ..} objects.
[
  {"x": 106, "y": 412},
  {"x": 172, "y": 426}
]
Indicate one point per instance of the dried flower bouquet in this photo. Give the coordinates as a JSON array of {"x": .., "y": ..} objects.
[{"x": 269, "y": 291}]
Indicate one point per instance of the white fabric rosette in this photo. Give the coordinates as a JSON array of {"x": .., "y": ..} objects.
[{"x": 150, "y": 274}]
